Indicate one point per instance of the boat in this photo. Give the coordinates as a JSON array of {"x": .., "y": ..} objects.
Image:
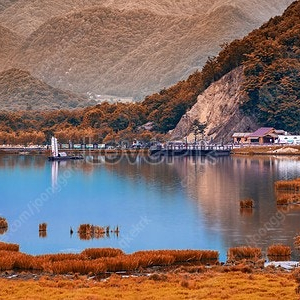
[{"x": 57, "y": 156}]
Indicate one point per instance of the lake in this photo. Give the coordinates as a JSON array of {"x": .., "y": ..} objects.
[{"x": 171, "y": 203}]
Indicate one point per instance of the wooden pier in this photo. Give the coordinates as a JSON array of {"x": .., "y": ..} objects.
[{"x": 191, "y": 150}]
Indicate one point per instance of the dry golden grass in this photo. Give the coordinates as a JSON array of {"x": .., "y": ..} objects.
[
  {"x": 275, "y": 252},
  {"x": 209, "y": 285},
  {"x": 244, "y": 252}
]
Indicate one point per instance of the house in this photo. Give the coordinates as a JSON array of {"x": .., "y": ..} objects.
[
  {"x": 240, "y": 138},
  {"x": 263, "y": 135}
]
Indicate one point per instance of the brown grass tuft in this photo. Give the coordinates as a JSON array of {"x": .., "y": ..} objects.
[
  {"x": 94, "y": 253},
  {"x": 279, "y": 251},
  {"x": 3, "y": 225},
  {"x": 247, "y": 203},
  {"x": 9, "y": 247},
  {"x": 288, "y": 185},
  {"x": 88, "y": 231},
  {"x": 43, "y": 227},
  {"x": 244, "y": 252}
]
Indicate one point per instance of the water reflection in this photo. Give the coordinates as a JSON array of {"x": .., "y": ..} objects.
[{"x": 187, "y": 202}]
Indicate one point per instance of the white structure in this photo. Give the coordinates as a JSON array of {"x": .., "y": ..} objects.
[
  {"x": 54, "y": 147},
  {"x": 289, "y": 139}
]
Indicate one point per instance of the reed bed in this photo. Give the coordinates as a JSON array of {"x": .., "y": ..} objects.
[
  {"x": 184, "y": 255},
  {"x": 279, "y": 251},
  {"x": 247, "y": 203},
  {"x": 9, "y": 247},
  {"x": 99, "y": 260},
  {"x": 43, "y": 227},
  {"x": 244, "y": 252},
  {"x": 94, "y": 253},
  {"x": 3, "y": 225},
  {"x": 88, "y": 231},
  {"x": 297, "y": 241},
  {"x": 288, "y": 185},
  {"x": 10, "y": 260},
  {"x": 286, "y": 198}
]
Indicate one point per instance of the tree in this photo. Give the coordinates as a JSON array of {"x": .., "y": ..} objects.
[{"x": 198, "y": 128}]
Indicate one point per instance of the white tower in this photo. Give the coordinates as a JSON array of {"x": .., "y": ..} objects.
[{"x": 54, "y": 147}]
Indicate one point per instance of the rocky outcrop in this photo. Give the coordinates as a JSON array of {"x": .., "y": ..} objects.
[{"x": 219, "y": 107}]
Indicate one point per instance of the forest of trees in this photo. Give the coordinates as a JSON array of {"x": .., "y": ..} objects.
[{"x": 271, "y": 59}]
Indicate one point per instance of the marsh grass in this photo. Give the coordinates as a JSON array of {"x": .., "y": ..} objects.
[
  {"x": 288, "y": 185},
  {"x": 3, "y": 225},
  {"x": 100, "y": 260},
  {"x": 93, "y": 253},
  {"x": 297, "y": 241},
  {"x": 9, "y": 247},
  {"x": 88, "y": 231},
  {"x": 279, "y": 251},
  {"x": 43, "y": 227},
  {"x": 243, "y": 252},
  {"x": 287, "y": 197}
]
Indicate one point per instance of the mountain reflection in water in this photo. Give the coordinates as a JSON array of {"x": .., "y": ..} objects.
[{"x": 172, "y": 203}]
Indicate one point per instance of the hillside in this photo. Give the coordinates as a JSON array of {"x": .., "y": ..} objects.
[
  {"x": 126, "y": 48},
  {"x": 21, "y": 91},
  {"x": 9, "y": 43},
  {"x": 219, "y": 107},
  {"x": 262, "y": 91}
]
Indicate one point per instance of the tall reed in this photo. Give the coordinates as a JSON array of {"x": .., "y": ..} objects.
[
  {"x": 244, "y": 252},
  {"x": 279, "y": 251},
  {"x": 3, "y": 225},
  {"x": 247, "y": 203}
]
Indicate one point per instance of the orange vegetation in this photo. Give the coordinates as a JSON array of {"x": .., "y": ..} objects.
[
  {"x": 173, "y": 285},
  {"x": 98, "y": 261},
  {"x": 3, "y": 225},
  {"x": 247, "y": 203},
  {"x": 243, "y": 252},
  {"x": 289, "y": 185},
  {"x": 279, "y": 251}
]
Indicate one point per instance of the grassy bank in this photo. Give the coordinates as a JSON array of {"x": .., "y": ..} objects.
[
  {"x": 268, "y": 150},
  {"x": 180, "y": 284}
]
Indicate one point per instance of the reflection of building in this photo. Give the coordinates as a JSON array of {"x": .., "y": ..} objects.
[{"x": 263, "y": 135}]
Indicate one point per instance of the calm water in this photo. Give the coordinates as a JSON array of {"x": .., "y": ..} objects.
[{"x": 178, "y": 203}]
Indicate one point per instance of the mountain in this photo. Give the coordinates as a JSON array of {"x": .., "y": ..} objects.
[
  {"x": 219, "y": 107},
  {"x": 253, "y": 82},
  {"x": 125, "y": 48},
  {"x": 21, "y": 91},
  {"x": 9, "y": 43}
]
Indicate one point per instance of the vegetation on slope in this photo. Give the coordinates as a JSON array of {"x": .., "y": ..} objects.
[
  {"x": 270, "y": 56},
  {"x": 127, "y": 49},
  {"x": 21, "y": 91}
]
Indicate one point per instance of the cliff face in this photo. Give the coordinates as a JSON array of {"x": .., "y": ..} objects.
[{"x": 218, "y": 107}]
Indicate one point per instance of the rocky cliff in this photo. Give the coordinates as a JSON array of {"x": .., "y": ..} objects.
[{"x": 218, "y": 107}]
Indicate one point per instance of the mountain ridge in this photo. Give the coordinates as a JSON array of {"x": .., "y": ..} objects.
[
  {"x": 29, "y": 93},
  {"x": 99, "y": 60}
]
